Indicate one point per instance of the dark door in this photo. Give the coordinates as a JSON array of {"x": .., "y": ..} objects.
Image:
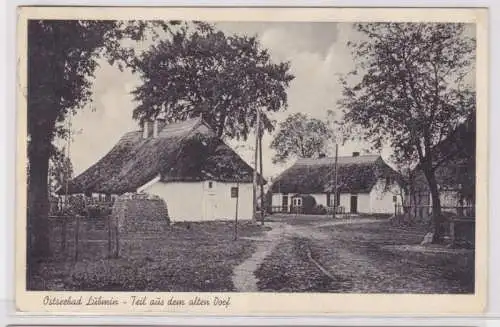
[{"x": 354, "y": 204}]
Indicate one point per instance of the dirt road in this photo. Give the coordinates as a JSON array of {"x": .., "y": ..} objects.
[{"x": 363, "y": 255}]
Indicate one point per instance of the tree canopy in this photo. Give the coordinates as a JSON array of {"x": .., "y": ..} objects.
[
  {"x": 412, "y": 93},
  {"x": 410, "y": 90},
  {"x": 60, "y": 170},
  {"x": 62, "y": 58},
  {"x": 224, "y": 78},
  {"x": 300, "y": 136}
]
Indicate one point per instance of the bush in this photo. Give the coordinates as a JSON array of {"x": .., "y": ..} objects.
[
  {"x": 98, "y": 210},
  {"x": 319, "y": 210},
  {"x": 77, "y": 205},
  {"x": 308, "y": 203}
]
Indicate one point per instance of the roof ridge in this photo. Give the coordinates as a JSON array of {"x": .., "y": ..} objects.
[{"x": 346, "y": 156}]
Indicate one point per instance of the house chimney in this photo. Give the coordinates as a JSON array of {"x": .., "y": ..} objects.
[{"x": 355, "y": 154}]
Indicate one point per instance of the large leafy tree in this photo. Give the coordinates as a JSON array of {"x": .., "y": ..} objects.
[
  {"x": 300, "y": 136},
  {"x": 62, "y": 58},
  {"x": 60, "y": 170},
  {"x": 224, "y": 78},
  {"x": 409, "y": 91}
]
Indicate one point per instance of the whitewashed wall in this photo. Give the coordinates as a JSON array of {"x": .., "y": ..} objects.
[
  {"x": 195, "y": 201},
  {"x": 364, "y": 202},
  {"x": 277, "y": 199},
  {"x": 345, "y": 201},
  {"x": 377, "y": 201},
  {"x": 383, "y": 202},
  {"x": 184, "y": 200},
  {"x": 220, "y": 206}
]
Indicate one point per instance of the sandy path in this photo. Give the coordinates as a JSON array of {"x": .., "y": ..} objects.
[{"x": 244, "y": 279}]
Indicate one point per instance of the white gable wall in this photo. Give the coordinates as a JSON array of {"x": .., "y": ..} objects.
[
  {"x": 383, "y": 201},
  {"x": 195, "y": 201}
]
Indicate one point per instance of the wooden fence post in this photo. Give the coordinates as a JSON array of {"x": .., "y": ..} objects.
[
  {"x": 63, "y": 234},
  {"x": 117, "y": 241},
  {"x": 77, "y": 231},
  {"x": 109, "y": 237}
]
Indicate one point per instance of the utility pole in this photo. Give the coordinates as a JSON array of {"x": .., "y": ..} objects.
[
  {"x": 335, "y": 204},
  {"x": 256, "y": 158},
  {"x": 261, "y": 132},
  {"x": 236, "y": 212}
]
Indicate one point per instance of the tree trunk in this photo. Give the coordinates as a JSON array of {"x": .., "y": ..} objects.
[
  {"x": 256, "y": 158},
  {"x": 437, "y": 218},
  {"x": 261, "y": 177},
  {"x": 38, "y": 200}
]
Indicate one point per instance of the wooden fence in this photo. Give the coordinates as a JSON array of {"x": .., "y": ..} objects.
[
  {"x": 459, "y": 223},
  {"x": 425, "y": 211},
  {"x": 300, "y": 210},
  {"x": 74, "y": 236}
]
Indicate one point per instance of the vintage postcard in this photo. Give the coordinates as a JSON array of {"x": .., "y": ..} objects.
[{"x": 252, "y": 161}]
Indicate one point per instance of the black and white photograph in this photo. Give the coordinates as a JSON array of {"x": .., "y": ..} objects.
[{"x": 202, "y": 156}]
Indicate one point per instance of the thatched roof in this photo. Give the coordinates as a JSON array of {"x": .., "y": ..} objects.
[
  {"x": 183, "y": 151},
  {"x": 354, "y": 175}
]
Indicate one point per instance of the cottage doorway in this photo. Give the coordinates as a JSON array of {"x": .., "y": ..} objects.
[
  {"x": 354, "y": 204},
  {"x": 210, "y": 207}
]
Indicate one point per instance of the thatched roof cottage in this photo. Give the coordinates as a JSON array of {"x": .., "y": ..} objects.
[
  {"x": 184, "y": 163},
  {"x": 365, "y": 184},
  {"x": 456, "y": 176}
]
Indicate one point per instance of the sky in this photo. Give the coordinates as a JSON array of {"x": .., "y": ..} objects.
[{"x": 318, "y": 53}]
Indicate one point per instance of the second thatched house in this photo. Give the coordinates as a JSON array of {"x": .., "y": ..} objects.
[
  {"x": 456, "y": 176},
  {"x": 365, "y": 184},
  {"x": 184, "y": 163}
]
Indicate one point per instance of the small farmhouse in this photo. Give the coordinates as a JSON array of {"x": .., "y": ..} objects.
[
  {"x": 365, "y": 184},
  {"x": 184, "y": 163},
  {"x": 456, "y": 174}
]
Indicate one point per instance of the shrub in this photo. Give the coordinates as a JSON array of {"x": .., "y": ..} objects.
[
  {"x": 98, "y": 210},
  {"x": 77, "y": 205},
  {"x": 319, "y": 210},
  {"x": 308, "y": 203}
]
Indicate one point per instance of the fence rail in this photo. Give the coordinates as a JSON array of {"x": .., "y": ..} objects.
[
  {"x": 425, "y": 211},
  {"x": 300, "y": 210}
]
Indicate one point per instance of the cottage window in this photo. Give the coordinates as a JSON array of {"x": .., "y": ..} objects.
[
  {"x": 284, "y": 202},
  {"x": 334, "y": 200},
  {"x": 297, "y": 202},
  {"x": 210, "y": 184}
]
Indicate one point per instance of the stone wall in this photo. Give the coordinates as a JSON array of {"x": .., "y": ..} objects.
[{"x": 140, "y": 213}]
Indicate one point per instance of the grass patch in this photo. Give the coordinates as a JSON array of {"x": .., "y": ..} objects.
[
  {"x": 357, "y": 252},
  {"x": 196, "y": 256}
]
